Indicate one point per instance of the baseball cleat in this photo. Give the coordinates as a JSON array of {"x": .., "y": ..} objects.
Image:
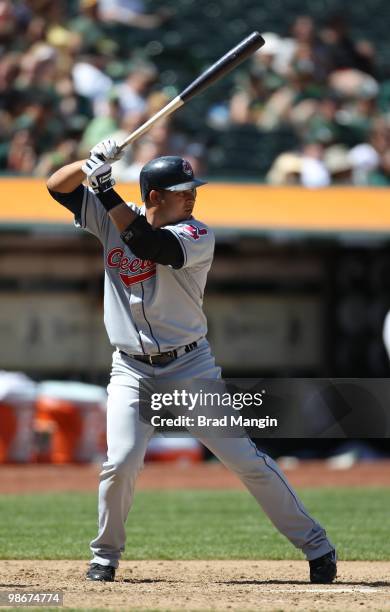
[
  {"x": 102, "y": 573},
  {"x": 324, "y": 569}
]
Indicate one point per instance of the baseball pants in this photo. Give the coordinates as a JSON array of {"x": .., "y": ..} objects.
[{"x": 127, "y": 440}]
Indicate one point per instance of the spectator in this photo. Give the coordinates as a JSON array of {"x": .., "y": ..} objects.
[
  {"x": 247, "y": 103},
  {"x": 144, "y": 150},
  {"x": 322, "y": 125},
  {"x": 131, "y": 13},
  {"x": 38, "y": 68},
  {"x": 342, "y": 52},
  {"x": 161, "y": 139},
  {"x": 309, "y": 51},
  {"x": 133, "y": 91},
  {"x": 285, "y": 170},
  {"x": 21, "y": 157},
  {"x": 380, "y": 177},
  {"x": 306, "y": 168},
  {"x": 101, "y": 127},
  {"x": 9, "y": 71},
  {"x": 88, "y": 25},
  {"x": 53, "y": 160},
  {"x": 338, "y": 164},
  {"x": 91, "y": 82},
  {"x": 8, "y": 25},
  {"x": 314, "y": 173},
  {"x": 366, "y": 157}
]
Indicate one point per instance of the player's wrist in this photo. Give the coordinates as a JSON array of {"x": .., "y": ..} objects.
[
  {"x": 103, "y": 182},
  {"x": 109, "y": 199}
]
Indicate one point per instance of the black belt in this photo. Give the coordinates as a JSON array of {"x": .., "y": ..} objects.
[{"x": 163, "y": 358}]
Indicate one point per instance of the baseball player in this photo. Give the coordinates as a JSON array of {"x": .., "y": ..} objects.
[{"x": 156, "y": 261}]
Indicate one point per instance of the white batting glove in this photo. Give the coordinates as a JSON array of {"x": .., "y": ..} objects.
[
  {"x": 98, "y": 173},
  {"x": 107, "y": 150}
]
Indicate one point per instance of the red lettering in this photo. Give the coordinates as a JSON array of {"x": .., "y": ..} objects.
[
  {"x": 135, "y": 265},
  {"x": 131, "y": 271},
  {"x": 124, "y": 263},
  {"x": 114, "y": 258}
]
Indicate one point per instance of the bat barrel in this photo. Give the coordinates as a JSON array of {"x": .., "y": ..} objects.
[
  {"x": 224, "y": 65},
  {"x": 234, "y": 57}
]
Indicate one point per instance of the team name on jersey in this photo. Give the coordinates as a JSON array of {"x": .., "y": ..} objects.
[{"x": 131, "y": 270}]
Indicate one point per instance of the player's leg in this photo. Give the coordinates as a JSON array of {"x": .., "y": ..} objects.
[
  {"x": 127, "y": 439},
  {"x": 260, "y": 474},
  {"x": 267, "y": 483}
]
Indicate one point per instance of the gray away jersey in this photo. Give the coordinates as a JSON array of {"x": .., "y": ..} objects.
[{"x": 150, "y": 308}]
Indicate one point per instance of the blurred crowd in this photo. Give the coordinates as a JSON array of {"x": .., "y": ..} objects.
[
  {"x": 329, "y": 90},
  {"x": 69, "y": 77}
]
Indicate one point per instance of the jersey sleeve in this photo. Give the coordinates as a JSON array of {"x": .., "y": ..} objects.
[
  {"x": 73, "y": 201},
  {"x": 93, "y": 217},
  {"x": 196, "y": 240}
]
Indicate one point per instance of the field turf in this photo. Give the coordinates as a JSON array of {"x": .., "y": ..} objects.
[{"x": 184, "y": 524}]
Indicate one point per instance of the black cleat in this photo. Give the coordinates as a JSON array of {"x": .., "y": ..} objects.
[
  {"x": 103, "y": 573},
  {"x": 324, "y": 569}
]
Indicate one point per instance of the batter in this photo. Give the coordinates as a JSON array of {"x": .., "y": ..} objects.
[{"x": 156, "y": 261}]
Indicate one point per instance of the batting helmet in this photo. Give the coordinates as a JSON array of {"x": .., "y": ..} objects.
[{"x": 170, "y": 173}]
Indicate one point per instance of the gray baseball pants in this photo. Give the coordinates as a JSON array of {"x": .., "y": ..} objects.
[{"x": 127, "y": 439}]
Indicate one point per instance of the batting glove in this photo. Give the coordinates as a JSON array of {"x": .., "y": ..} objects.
[
  {"x": 98, "y": 173},
  {"x": 107, "y": 150}
]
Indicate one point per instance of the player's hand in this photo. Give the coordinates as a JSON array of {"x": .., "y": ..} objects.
[
  {"x": 107, "y": 150},
  {"x": 98, "y": 173}
]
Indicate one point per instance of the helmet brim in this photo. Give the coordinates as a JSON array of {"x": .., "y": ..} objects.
[{"x": 185, "y": 186}]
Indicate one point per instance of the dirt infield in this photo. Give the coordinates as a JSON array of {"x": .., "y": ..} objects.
[
  {"x": 199, "y": 585},
  {"x": 39, "y": 478},
  {"x": 206, "y": 585}
]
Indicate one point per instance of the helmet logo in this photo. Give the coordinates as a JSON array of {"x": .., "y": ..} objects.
[{"x": 187, "y": 169}]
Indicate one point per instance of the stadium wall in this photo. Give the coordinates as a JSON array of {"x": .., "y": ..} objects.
[{"x": 300, "y": 283}]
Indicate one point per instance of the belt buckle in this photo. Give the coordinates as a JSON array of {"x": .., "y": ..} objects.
[{"x": 168, "y": 355}]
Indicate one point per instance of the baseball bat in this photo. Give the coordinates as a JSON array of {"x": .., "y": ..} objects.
[{"x": 221, "y": 67}]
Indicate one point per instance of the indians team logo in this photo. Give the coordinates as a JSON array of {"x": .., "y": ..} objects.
[
  {"x": 194, "y": 231},
  {"x": 187, "y": 169},
  {"x": 131, "y": 271}
]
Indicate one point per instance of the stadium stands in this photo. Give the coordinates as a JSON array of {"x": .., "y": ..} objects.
[{"x": 44, "y": 112}]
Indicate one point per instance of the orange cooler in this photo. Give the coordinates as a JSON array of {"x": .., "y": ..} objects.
[
  {"x": 74, "y": 415},
  {"x": 8, "y": 429},
  {"x": 17, "y": 411}
]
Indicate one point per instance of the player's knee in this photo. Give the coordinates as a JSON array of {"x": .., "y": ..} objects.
[
  {"x": 254, "y": 465},
  {"x": 126, "y": 464}
]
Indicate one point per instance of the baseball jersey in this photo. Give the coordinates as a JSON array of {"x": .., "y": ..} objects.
[{"x": 148, "y": 307}]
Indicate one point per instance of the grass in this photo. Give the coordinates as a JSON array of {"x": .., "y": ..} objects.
[{"x": 193, "y": 525}]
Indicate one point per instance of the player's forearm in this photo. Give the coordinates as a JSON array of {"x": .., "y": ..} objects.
[{"x": 67, "y": 178}]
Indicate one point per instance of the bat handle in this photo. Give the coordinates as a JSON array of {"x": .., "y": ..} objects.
[{"x": 164, "y": 112}]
